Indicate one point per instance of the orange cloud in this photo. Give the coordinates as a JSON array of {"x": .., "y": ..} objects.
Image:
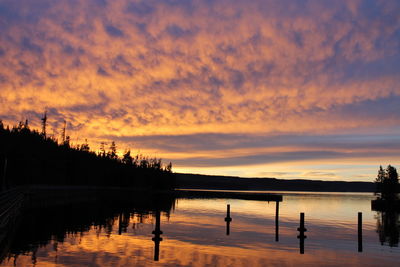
[{"x": 122, "y": 68}]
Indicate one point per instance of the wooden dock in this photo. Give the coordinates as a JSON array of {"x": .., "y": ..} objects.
[
  {"x": 11, "y": 202},
  {"x": 227, "y": 194},
  {"x": 384, "y": 205},
  {"x": 10, "y": 205}
]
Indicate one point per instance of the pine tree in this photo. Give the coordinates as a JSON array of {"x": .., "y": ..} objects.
[
  {"x": 127, "y": 158},
  {"x": 63, "y": 132},
  {"x": 169, "y": 167},
  {"x": 102, "y": 152},
  {"x": 379, "y": 181},
  {"x": 85, "y": 146},
  {"x": 44, "y": 123},
  {"x": 112, "y": 153}
]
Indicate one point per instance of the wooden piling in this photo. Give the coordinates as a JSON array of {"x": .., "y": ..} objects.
[
  {"x": 277, "y": 221},
  {"x": 301, "y": 235},
  {"x": 157, "y": 236},
  {"x": 302, "y": 228},
  {"x": 360, "y": 246},
  {"x": 228, "y": 219}
]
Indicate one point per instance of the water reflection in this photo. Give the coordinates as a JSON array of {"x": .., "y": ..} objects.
[
  {"x": 58, "y": 219},
  {"x": 128, "y": 231},
  {"x": 157, "y": 236},
  {"x": 388, "y": 227},
  {"x": 301, "y": 235},
  {"x": 123, "y": 222},
  {"x": 360, "y": 246},
  {"x": 228, "y": 218},
  {"x": 277, "y": 221}
]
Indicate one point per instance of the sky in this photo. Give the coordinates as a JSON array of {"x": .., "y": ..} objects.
[{"x": 255, "y": 88}]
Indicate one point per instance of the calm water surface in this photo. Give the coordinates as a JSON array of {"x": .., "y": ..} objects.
[{"x": 194, "y": 233}]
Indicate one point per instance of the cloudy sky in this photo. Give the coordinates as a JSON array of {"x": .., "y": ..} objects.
[{"x": 266, "y": 88}]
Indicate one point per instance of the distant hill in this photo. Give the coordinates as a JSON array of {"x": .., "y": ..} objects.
[{"x": 197, "y": 181}]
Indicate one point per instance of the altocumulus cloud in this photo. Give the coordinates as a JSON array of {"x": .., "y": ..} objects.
[{"x": 155, "y": 68}]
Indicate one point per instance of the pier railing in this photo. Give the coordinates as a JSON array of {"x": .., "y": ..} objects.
[{"x": 10, "y": 204}]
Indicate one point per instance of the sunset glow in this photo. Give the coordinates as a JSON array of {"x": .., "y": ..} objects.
[{"x": 253, "y": 88}]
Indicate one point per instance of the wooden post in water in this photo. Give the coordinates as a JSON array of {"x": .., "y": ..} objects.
[
  {"x": 301, "y": 235},
  {"x": 157, "y": 237},
  {"x": 360, "y": 246},
  {"x": 228, "y": 218},
  {"x": 277, "y": 222}
]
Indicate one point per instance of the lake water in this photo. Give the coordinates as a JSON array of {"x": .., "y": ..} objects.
[{"x": 193, "y": 232}]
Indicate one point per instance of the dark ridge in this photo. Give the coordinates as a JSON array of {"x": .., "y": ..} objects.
[
  {"x": 197, "y": 181},
  {"x": 28, "y": 157}
]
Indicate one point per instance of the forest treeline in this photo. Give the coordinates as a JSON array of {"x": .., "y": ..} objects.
[{"x": 28, "y": 156}]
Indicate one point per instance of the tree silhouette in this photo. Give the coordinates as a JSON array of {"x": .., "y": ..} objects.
[
  {"x": 32, "y": 158},
  {"x": 84, "y": 147},
  {"x": 63, "y": 132},
  {"x": 102, "y": 149},
  {"x": 44, "y": 123},
  {"x": 387, "y": 183},
  {"x": 112, "y": 153},
  {"x": 127, "y": 158},
  {"x": 169, "y": 167}
]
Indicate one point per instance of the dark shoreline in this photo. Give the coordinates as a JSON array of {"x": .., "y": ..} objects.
[{"x": 198, "y": 181}]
